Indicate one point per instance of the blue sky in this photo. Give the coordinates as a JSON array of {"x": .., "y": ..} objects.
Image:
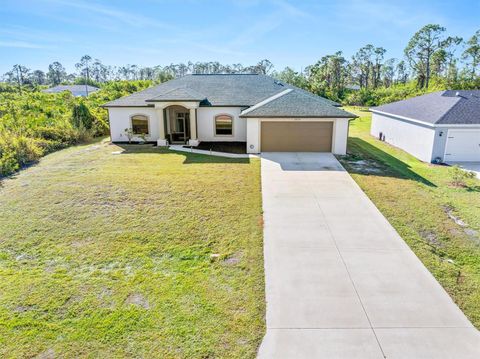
[{"x": 160, "y": 32}]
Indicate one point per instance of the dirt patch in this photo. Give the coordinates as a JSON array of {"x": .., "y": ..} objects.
[
  {"x": 233, "y": 259},
  {"x": 138, "y": 300},
  {"x": 47, "y": 354},
  {"x": 449, "y": 211},
  {"x": 25, "y": 308},
  {"x": 363, "y": 166},
  {"x": 431, "y": 238}
]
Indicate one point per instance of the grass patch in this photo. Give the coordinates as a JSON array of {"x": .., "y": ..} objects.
[
  {"x": 440, "y": 222},
  {"x": 146, "y": 253}
]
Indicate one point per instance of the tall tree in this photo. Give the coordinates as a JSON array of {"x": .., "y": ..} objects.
[
  {"x": 38, "y": 77},
  {"x": 20, "y": 74},
  {"x": 292, "y": 77},
  {"x": 99, "y": 71},
  {"x": 420, "y": 49},
  {"x": 362, "y": 65},
  {"x": 472, "y": 54},
  {"x": 327, "y": 77},
  {"x": 84, "y": 66},
  {"x": 379, "y": 53},
  {"x": 56, "y": 73},
  {"x": 401, "y": 72},
  {"x": 388, "y": 72}
]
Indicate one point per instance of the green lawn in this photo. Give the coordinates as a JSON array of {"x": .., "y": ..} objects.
[
  {"x": 145, "y": 254},
  {"x": 420, "y": 201}
]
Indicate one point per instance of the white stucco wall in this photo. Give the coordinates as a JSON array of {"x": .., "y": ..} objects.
[
  {"x": 206, "y": 124},
  {"x": 415, "y": 138},
  {"x": 253, "y": 135},
  {"x": 119, "y": 118},
  {"x": 340, "y": 136},
  {"x": 339, "y": 140}
]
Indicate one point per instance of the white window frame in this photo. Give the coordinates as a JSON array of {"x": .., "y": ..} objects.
[
  {"x": 215, "y": 124},
  {"x": 148, "y": 123}
]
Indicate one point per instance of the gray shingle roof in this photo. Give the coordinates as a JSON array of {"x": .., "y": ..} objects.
[
  {"x": 76, "y": 90},
  {"x": 442, "y": 107},
  {"x": 178, "y": 94},
  {"x": 217, "y": 90},
  {"x": 294, "y": 103}
]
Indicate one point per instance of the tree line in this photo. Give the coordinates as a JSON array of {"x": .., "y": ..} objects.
[
  {"x": 94, "y": 71},
  {"x": 432, "y": 60}
]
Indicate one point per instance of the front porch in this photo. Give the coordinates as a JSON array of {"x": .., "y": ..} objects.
[{"x": 177, "y": 122}]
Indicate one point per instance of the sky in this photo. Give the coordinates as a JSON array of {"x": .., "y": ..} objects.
[{"x": 291, "y": 33}]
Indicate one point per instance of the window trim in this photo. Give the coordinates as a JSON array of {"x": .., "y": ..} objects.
[
  {"x": 148, "y": 123},
  {"x": 215, "y": 125}
]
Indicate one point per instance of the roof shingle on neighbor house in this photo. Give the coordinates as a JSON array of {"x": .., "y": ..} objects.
[
  {"x": 76, "y": 90},
  {"x": 450, "y": 107},
  {"x": 241, "y": 90}
]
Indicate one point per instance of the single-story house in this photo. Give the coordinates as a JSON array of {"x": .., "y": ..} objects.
[
  {"x": 76, "y": 90},
  {"x": 442, "y": 126},
  {"x": 266, "y": 114}
]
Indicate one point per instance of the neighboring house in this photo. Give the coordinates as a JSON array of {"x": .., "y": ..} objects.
[
  {"x": 76, "y": 90},
  {"x": 353, "y": 87},
  {"x": 440, "y": 126},
  {"x": 266, "y": 114}
]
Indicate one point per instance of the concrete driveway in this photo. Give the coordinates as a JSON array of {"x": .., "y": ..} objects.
[{"x": 340, "y": 282}]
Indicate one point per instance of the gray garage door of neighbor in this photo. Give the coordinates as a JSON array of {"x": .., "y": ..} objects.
[{"x": 289, "y": 136}]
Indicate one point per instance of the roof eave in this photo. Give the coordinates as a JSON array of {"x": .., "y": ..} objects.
[
  {"x": 430, "y": 124},
  {"x": 107, "y": 105},
  {"x": 298, "y": 116},
  {"x": 177, "y": 100}
]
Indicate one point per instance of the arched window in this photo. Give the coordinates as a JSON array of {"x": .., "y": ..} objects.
[
  {"x": 140, "y": 125},
  {"x": 223, "y": 125}
]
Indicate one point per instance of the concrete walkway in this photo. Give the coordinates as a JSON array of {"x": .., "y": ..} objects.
[{"x": 340, "y": 282}]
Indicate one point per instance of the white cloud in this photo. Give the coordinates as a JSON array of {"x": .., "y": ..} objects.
[
  {"x": 22, "y": 44},
  {"x": 112, "y": 13}
]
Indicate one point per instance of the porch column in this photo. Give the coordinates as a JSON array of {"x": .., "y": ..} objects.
[
  {"x": 193, "y": 128},
  {"x": 161, "y": 128}
]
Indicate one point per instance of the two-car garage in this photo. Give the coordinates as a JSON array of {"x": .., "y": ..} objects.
[
  {"x": 295, "y": 136},
  {"x": 292, "y": 134}
]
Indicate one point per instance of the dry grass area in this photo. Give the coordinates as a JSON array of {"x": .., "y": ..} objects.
[{"x": 131, "y": 252}]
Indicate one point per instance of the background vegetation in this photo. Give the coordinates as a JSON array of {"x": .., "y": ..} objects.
[{"x": 33, "y": 123}]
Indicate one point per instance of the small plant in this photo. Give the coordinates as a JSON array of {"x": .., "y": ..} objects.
[
  {"x": 143, "y": 137},
  {"x": 459, "y": 176},
  {"x": 129, "y": 134}
]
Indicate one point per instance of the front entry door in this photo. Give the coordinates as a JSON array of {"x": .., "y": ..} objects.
[{"x": 181, "y": 127}]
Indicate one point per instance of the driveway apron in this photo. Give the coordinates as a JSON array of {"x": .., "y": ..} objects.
[{"x": 340, "y": 282}]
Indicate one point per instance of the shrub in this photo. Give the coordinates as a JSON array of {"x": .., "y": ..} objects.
[
  {"x": 81, "y": 116},
  {"x": 8, "y": 163},
  {"x": 17, "y": 151},
  {"x": 58, "y": 134},
  {"x": 26, "y": 150},
  {"x": 459, "y": 176}
]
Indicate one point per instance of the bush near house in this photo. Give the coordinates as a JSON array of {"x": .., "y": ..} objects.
[{"x": 33, "y": 123}]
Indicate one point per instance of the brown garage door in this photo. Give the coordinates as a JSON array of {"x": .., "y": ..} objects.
[{"x": 296, "y": 136}]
